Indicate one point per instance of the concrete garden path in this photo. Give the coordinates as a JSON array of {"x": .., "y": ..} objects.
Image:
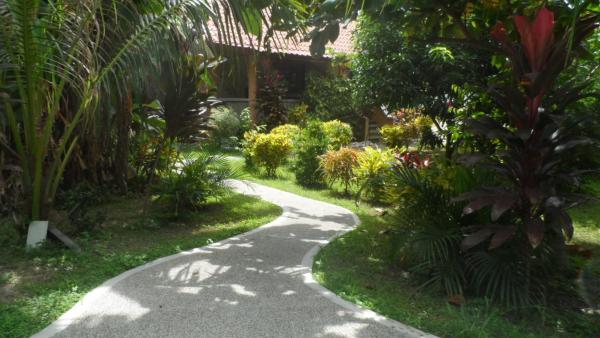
[{"x": 258, "y": 284}]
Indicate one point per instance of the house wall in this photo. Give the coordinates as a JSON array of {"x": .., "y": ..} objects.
[
  {"x": 238, "y": 104},
  {"x": 238, "y": 79},
  {"x": 233, "y": 82}
]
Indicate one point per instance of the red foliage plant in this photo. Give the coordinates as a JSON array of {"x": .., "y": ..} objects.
[
  {"x": 412, "y": 159},
  {"x": 529, "y": 206}
]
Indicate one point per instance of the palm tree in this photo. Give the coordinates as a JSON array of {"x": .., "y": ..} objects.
[{"x": 60, "y": 58}]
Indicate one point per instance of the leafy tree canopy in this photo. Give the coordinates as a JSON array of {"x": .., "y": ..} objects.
[{"x": 450, "y": 21}]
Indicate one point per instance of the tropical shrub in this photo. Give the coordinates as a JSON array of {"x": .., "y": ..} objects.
[
  {"x": 298, "y": 114},
  {"x": 528, "y": 216},
  {"x": 310, "y": 144},
  {"x": 57, "y": 64},
  {"x": 372, "y": 167},
  {"x": 290, "y": 131},
  {"x": 398, "y": 136},
  {"x": 270, "y": 151},
  {"x": 394, "y": 72},
  {"x": 225, "y": 126},
  {"x": 432, "y": 229},
  {"x": 423, "y": 122},
  {"x": 270, "y": 96},
  {"x": 147, "y": 132},
  {"x": 197, "y": 177},
  {"x": 338, "y": 165},
  {"x": 246, "y": 122},
  {"x": 339, "y": 134},
  {"x": 431, "y": 225},
  {"x": 413, "y": 159},
  {"x": 151, "y": 152},
  {"x": 330, "y": 96},
  {"x": 247, "y": 145}
]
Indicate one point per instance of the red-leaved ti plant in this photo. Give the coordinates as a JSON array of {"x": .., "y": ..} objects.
[
  {"x": 412, "y": 159},
  {"x": 528, "y": 208}
]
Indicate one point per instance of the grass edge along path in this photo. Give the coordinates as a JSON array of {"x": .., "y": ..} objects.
[{"x": 51, "y": 280}]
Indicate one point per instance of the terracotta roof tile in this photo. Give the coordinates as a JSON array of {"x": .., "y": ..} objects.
[{"x": 282, "y": 44}]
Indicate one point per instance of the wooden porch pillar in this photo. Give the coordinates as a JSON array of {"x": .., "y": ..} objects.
[{"x": 252, "y": 86}]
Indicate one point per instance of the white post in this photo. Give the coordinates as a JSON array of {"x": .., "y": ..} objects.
[{"x": 38, "y": 230}]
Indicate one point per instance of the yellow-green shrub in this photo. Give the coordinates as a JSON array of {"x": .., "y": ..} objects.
[
  {"x": 399, "y": 135},
  {"x": 248, "y": 145},
  {"x": 270, "y": 151},
  {"x": 422, "y": 122},
  {"x": 338, "y": 165},
  {"x": 288, "y": 130},
  {"x": 404, "y": 134},
  {"x": 338, "y": 133},
  {"x": 371, "y": 170},
  {"x": 297, "y": 114}
]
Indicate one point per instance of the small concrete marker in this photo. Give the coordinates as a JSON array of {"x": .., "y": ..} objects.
[{"x": 36, "y": 234}]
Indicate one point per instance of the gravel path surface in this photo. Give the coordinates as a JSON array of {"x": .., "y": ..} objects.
[{"x": 258, "y": 284}]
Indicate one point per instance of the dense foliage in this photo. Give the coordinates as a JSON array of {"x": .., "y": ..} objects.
[
  {"x": 197, "y": 177},
  {"x": 298, "y": 114},
  {"x": 520, "y": 107},
  {"x": 290, "y": 131},
  {"x": 270, "y": 151},
  {"x": 270, "y": 105},
  {"x": 528, "y": 212},
  {"x": 414, "y": 78},
  {"x": 371, "y": 170},
  {"x": 72, "y": 72},
  {"x": 339, "y": 134},
  {"x": 410, "y": 130},
  {"x": 330, "y": 96},
  {"x": 338, "y": 165},
  {"x": 225, "y": 126},
  {"x": 312, "y": 142}
]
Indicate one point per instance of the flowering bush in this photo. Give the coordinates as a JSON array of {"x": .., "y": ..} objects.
[
  {"x": 338, "y": 165},
  {"x": 270, "y": 150},
  {"x": 370, "y": 171},
  {"x": 338, "y": 133}
]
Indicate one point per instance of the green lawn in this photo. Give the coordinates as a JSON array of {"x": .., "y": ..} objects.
[
  {"x": 357, "y": 266},
  {"x": 37, "y": 287}
]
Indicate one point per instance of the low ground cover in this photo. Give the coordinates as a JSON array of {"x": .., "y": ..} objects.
[
  {"x": 360, "y": 267},
  {"x": 38, "y": 286}
]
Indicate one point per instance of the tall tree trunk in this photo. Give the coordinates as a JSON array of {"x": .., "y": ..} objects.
[
  {"x": 123, "y": 119},
  {"x": 252, "y": 87}
]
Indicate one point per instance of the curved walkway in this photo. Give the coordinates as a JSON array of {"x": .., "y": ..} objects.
[{"x": 258, "y": 284}]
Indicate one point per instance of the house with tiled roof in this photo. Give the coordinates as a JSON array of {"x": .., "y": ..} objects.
[{"x": 238, "y": 83}]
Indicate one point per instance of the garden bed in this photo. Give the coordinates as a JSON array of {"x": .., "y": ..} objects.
[
  {"x": 38, "y": 286},
  {"x": 358, "y": 267}
]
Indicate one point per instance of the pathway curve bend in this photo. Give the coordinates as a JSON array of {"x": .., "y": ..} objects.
[{"x": 258, "y": 284}]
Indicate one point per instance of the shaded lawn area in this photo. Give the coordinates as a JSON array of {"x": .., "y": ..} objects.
[
  {"x": 38, "y": 286},
  {"x": 358, "y": 267}
]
